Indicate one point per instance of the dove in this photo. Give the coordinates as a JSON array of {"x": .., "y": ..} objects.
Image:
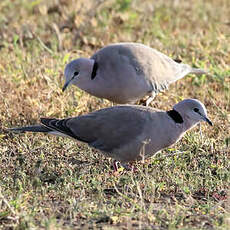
[
  {"x": 125, "y": 73},
  {"x": 127, "y": 133}
]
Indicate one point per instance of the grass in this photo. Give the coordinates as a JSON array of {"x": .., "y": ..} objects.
[{"x": 53, "y": 183}]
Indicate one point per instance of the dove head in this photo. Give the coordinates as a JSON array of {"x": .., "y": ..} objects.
[
  {"x": 78, "y": 72},
  {"x": 192, "y": 112}
]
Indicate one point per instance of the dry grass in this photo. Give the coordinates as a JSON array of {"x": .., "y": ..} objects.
[{"x": 54, "y": 183}]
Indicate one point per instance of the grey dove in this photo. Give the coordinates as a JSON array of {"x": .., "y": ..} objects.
[
  {"x": 125, "y": 73},
  {"x": 127, "y": 132}
]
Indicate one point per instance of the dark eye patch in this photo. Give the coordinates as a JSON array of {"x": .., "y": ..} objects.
[{"x": 196, "y": 110}]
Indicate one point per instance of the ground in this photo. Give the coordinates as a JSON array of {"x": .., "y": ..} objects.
[{"x": 54, "y": 183}]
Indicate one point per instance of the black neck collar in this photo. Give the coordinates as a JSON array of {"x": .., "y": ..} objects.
[
  {"x": 94, "y": 72},
  {"x": 175, "y": 116}
]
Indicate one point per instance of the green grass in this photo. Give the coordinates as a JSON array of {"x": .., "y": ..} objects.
[{"x": 54, "y": 183}]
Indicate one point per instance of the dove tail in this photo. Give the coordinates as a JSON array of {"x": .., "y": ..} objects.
[
  {"x": 48, "y": 126},
  {"x": 32, "y": 128},
  {"x": 198, "y": 71}
]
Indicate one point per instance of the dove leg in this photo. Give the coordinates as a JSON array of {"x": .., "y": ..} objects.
[
  {"x": 201, "y": 135},
  {"x": 150, "y": 99},
  {"x": 115, "y": 165}
]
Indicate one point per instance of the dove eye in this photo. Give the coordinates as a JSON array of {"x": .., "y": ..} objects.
[
  {"x": 75, "y": 74},
  {"x": 196, "y": 110}
]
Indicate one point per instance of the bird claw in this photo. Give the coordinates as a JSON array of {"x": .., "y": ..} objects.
[{"x": 128, "y": 167}]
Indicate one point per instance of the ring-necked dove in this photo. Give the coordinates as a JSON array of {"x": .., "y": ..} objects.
[
  {"x": 127, "y": 132},
  {"x": 125, "y": 72}
]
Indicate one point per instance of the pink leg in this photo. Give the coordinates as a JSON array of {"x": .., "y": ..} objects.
[{"x": 115, "y": 165}]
